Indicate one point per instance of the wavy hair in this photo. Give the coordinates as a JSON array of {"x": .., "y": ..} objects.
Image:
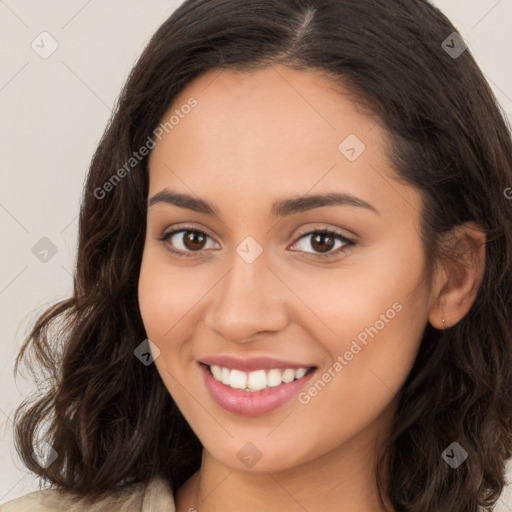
[{"x": 110, "y": 418}]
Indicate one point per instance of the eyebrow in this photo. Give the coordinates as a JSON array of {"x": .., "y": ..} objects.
[{"x": 280, "y": 208}]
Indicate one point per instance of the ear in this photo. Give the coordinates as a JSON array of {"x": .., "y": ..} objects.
[{"x": 458, "y": 276}]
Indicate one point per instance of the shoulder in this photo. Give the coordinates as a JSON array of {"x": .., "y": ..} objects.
[{"x": 156, "y": 495}]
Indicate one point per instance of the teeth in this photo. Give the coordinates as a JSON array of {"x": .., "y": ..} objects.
[
  {"x": 300, "y": 373},
  {"x": 257, "y": 380},
  {"x": 288, "y": 375},
  {"x": 274, "y": 378},
  {"x": 237, "y": 379},
  {"x": 217, "y": 372}
]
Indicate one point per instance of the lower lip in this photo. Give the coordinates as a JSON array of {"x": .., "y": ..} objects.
[{"x": 252, "y": 403}]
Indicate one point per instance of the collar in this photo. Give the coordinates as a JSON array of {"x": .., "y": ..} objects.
[{"x": 158, "y": 496}]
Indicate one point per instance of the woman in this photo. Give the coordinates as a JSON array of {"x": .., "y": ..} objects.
[{"x": 293, "y": 276}]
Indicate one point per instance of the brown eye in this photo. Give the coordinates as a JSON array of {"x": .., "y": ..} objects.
[
  {"x": 322, "y": 242},
  {"x": 194, "y": 240},
  {"x": 186, "y": 242}
]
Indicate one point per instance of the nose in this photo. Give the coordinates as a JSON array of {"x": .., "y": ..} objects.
[{"x": 248, "y": 302}]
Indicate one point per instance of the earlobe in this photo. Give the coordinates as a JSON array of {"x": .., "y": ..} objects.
[{"x": 463, "y": 269}]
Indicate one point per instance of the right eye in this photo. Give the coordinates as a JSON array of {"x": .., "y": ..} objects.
[{"x": 188, "y": 242}]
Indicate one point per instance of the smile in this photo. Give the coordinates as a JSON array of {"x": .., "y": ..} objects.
[{"x": 256, "y": 392}]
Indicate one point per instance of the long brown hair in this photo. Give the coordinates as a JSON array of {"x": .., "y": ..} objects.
[{"x": 110, "y": 418}]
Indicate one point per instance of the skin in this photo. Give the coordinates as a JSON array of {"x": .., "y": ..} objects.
[{"x": 254, "y": 138}]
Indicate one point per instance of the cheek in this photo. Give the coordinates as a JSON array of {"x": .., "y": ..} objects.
[
  {"x": 340, "y": 303},
  {"x": 154, "y": 299},
  {"x": 161, "y": 309},
  {"x": 166, "y": 294},
  {"x": 169, "y": 300}
]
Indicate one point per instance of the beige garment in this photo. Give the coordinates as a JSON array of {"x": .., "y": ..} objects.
[{"x": 156, "y": 497}]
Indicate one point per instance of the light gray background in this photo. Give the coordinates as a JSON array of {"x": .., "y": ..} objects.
[{"x": 53, "y": 114}]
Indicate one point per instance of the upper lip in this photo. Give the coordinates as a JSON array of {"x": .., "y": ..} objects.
[{"x": 252, "y": 363}]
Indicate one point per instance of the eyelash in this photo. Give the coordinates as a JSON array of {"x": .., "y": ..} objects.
[{"x": 188, "y": 254}]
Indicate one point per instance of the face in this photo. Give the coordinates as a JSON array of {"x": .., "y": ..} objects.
[{"x": 295, "y": 268}]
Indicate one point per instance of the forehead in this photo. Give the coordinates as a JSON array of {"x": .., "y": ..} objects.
[{"x": 260, "y": 133}]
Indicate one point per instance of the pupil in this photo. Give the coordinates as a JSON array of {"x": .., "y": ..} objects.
[{"x": 322, "y": 238}]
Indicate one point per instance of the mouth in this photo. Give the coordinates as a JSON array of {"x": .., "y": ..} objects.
[{"x": 252, "y": 393}]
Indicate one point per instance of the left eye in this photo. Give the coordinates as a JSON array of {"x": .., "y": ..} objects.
[{"x": 323, "y": 241}]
